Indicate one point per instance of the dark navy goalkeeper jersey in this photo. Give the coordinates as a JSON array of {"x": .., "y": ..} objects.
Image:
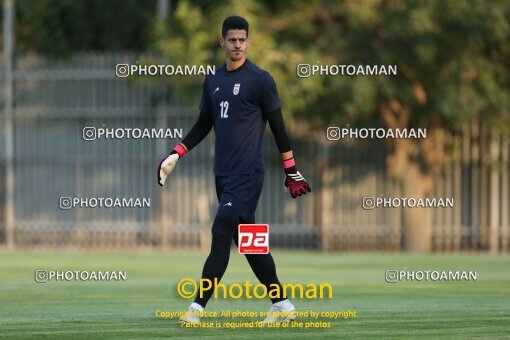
[{"x": 238, "y": 102}]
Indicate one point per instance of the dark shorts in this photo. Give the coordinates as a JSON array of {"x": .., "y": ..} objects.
[{"x": 238, "y": 196}]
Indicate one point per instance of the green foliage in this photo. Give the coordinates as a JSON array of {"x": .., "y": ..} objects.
[
  {"x": 184, "y": 39},
  {"x": 445, "y": 53},
  {"x": 62, "y": 27},
  {"x": 453, "y": 57}
]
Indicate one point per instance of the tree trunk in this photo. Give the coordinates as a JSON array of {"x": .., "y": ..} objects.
[
  {"x": 417, "y": 222},
  {"x": 415, "y": 163}
]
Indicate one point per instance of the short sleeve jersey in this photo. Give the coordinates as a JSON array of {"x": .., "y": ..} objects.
[{"x": 239, "y": 101}]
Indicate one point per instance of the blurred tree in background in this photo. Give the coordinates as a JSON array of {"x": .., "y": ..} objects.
[
  {"x": 62, "y": 27},
  {"x": 453, "y": 61},
  {"x": 453, "y": 67}
]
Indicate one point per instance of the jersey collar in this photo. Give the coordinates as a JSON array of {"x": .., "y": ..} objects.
[{"x": 246, "y": 61}]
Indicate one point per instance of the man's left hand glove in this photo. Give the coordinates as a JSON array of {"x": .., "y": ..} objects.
[{"x": 296, "y": 183}]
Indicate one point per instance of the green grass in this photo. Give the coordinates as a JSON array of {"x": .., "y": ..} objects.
[{"x": 56, "y": 309}]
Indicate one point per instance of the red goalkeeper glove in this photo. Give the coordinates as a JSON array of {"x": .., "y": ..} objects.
[{"x": 296, "y": 183}]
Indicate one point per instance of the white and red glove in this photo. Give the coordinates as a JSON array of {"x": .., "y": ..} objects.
[{"x": 167, "y": 164}]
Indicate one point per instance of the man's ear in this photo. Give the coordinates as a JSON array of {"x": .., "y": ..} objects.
[{"x": 222, "y": 42}]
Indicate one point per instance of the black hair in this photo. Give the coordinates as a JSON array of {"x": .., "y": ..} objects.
[{"x": 234, "y": 23}]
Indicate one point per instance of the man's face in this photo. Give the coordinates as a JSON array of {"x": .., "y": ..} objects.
[{"x": 235, "y": 44}]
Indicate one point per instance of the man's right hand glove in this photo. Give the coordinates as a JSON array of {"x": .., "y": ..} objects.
[
  {"x": 167, "y": 164},
  {"x": 165, "y": 167},
  {"x": 296, "y": 183}
]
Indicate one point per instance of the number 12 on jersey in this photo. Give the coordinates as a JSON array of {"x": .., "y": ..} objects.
[{"x": 224, "y": 109}]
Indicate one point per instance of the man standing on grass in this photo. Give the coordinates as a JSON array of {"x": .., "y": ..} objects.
[{"x": 237, "y": 101}]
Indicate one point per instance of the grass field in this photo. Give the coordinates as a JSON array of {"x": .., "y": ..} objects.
[{"x": 126, "y": 309}]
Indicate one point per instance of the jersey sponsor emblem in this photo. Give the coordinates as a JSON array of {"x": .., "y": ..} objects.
[
  {"x": 237, "y": 86},
  {"x": 217, "y": 89},
  {"x": 229, "y": 204}
]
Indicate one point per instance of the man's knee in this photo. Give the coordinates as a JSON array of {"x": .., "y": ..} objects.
[{"x": 223, "y": 229}]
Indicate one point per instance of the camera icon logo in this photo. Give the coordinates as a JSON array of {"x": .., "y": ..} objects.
[
  {"x": 41, "y": 276},
  {"x": 122, "y": 70},
  {"x": 368, "y": 203},
  {"x": 391, "y": 276},
  {"x": 333, "y": 133},
  {"x": 66, "y": 203},
  {"x": 304, "y": 70},
  {"x": 89, "y": 133}
]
